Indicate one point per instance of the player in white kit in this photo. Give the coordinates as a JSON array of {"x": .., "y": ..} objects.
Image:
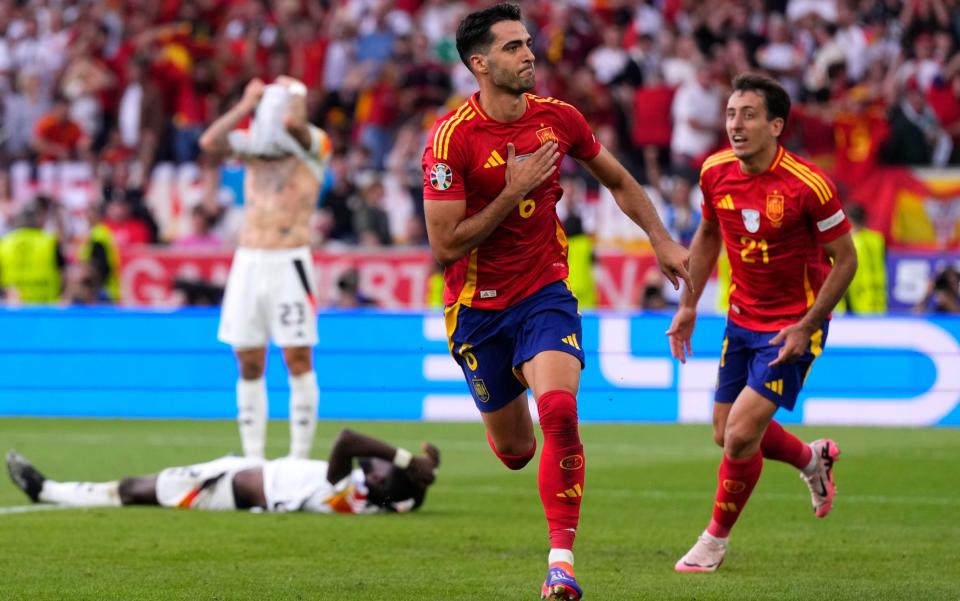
[
  {"x": 361, "y": 475},
  {"x": 271, "y": 290}
]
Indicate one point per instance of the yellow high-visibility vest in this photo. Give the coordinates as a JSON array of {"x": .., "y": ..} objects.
[
  {"x": 28, "y": 264},
  {"x": 580, "y": 279},
  {"x": 867, "y": 294},
  {"x": 102, "y": 234}
]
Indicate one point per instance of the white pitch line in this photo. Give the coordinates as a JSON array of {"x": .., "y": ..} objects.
[{"x": 30, "y": 509}]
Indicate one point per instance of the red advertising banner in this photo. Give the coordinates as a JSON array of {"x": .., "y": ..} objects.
[{"x": 396, "y": 279}]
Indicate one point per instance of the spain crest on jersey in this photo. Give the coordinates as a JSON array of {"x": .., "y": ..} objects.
[
  {"x": 546, "y": 135},
  {"x": 751, "y": 220},
  {"x": 775, "y": 208},
  {"x": 441, "y": 177}
]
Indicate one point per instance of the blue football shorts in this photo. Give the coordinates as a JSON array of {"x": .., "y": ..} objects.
[
  {"x": 743, "y": 362},
  {"x": 490, "y": 346}
]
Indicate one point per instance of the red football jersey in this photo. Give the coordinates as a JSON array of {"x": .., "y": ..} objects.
[
  {"x": 773, "y": 225},
  {"x": 465, "y": 159}
]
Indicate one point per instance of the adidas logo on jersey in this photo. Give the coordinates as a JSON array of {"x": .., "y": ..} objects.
[
  {"x": 725, "y": 203},
  {"x": 495, "y": 160}
]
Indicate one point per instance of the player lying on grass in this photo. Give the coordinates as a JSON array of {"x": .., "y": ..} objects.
[{"x": 382, "y": 479}]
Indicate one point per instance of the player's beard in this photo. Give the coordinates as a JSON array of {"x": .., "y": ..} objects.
[{"x": 513, "y": 81}]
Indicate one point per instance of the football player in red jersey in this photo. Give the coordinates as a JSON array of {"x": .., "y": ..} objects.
[
  {"x": 792, "y": 258},
  {"x": 490, "y": 190}
]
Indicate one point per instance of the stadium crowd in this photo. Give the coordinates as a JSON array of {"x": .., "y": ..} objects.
[{"x": 116, "y": 94}]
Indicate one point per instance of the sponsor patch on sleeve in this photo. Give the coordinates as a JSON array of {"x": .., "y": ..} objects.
[{"x": 830, "y": 221}]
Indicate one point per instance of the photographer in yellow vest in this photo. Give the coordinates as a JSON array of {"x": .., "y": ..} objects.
[
  {"x": 31, "y": 262},
  {"x": 101, "y": 253}
]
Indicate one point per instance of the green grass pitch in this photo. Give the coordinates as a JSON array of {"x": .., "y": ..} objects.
[{"x": 893, "y": 533}]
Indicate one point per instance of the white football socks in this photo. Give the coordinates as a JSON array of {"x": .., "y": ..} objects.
[
  {"x": 557, "y": 555},
  {"x": 812, "y": 466},
  {"x": 81, "y": 494},
  {"x": 252, "y": 416},
  {"x": 304, "y": 399}
]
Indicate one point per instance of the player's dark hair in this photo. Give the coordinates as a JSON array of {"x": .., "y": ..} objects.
[
  {"x": 474, "y": 33},
  {"x": 856, "y": 214},
  {"x": 775, "y": 98},
  {"x": 398, "y": 487}
]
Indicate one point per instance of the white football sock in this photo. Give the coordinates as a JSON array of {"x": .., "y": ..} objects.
[
  {"x": 812, "y": 466},
  {"x": 81, "y": 494},
  {"x": 564, "y": 555},
  {"x": 304, "y": 399},
  {"x": 252, "y": 416}
]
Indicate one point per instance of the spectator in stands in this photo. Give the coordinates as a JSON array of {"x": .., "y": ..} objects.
[
  {"x": 370, "y": 221},
  {"x": 195, "y": 106},
  {"x": 697, "y": 117},
  {"x": 336, "y": 214},
  {"x": 126, "y": 227},
  {"x": 608, "y": 60},
  {"x": 201, "y": 234},
  {"x": 31, "y": 260},
  {"x": 781, "y": 56},
  {"x": 944, "y": 99},
  {"x": 140, "y": 112},
  {"x": 349, "y": 295},
  {"x": 680, "y": 216},
  {"x": 9, "y": 208},
  {"x": 916, "y": 137},
  {"x": 21, "y": 112},
  {"x": 58, "y": 138},
  {"x": 943, "y": 293}
]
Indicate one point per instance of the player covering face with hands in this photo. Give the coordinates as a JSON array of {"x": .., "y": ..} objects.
[
  {"x": 270, "y": 292},
  {"x": 361, "y": 475},
  {"x": 792, "y": 258},
  {"x": 491, "y": 187}
]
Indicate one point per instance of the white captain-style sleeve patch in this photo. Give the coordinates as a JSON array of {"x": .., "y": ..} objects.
[{"x": 831, "y": 221}]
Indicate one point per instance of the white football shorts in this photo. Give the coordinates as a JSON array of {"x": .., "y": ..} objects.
[
  {"x": 270, "y": 294},
  {"x": 207, "y": 486}
]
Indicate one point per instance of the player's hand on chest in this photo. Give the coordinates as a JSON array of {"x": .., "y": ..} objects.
[{"x": 489, "y": 154}]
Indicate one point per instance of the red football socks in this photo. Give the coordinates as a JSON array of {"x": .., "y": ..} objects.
[
  {"x": 514, "y": 462},
  {"x": 561, "y": 466},
  {"x": 737, "y": 477},
  {"x": 780, "y": 445}
]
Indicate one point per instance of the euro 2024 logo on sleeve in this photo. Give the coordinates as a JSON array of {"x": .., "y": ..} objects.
[{"x": 441, "y": 177}]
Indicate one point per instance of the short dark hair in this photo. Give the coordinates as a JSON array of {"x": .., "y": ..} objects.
[
  {"x": 857, "y": 214},
  {"x": 398, "y": 488},
  {"x": 473, "y": 33},
  {"x": 775, "y": 98}
]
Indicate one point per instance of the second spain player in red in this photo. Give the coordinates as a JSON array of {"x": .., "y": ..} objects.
[
  {"x": 490, "y": 191},
  {"x": 791, "y": 258}
]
